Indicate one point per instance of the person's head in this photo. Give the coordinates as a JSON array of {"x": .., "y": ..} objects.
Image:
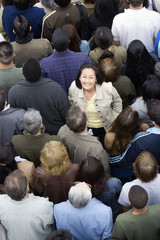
[
  {"x": 21, "y": 4},
  {"x": 6, "y": 2},
  {"x": 32, "y": 121},
  {"x": 60, "y": 40},
  {"x": 62, "y": 3},
  {"x": 80, "y": 195},
  {"x": 108, "y": 70},
  {"x": 151, "y": 88},
  {"x": 89, "y": 1},
  {"x": 32, "y": 70},
  {"x": 59, "y": 234},
  {"x": 92, "y": 171},
  {"x": 146, "y": 167},
  {"x": 21, "y": 26},
  {"x": 138, "y": 197},
  {"x": 16, "y": 185},
  {"x": 76, "y": 119},
  {"x": 74, "y": 39},
  {"x": 2, "y": 99},
  {"x": 87, "y": 72},
  {"x": 6, "y": 53},
  {"x": 103, "y": 37},
  {"x": 7, "y": 162},
  {"x": 153, "y": 106},
  {"x": 136, "y": 3},
  {"x": 50, "y": 4},
  {"x": 54, "y": 158}
]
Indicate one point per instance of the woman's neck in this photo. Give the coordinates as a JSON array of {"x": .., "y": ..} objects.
[{"x": 89, "y": 93}]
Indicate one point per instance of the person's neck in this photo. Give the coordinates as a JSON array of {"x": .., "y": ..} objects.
[
  {"x": 61, "y": 52},
  {"x": 37, "y": 134},
  {"x": 85, "y": 130},
  {"x": 3, "y": 66},
  {"x": 136, "y": 8},
  {"x": 25, "y": 197},
  {"x": 136, "y": 211},
  {"x": 155, "y": 125}
]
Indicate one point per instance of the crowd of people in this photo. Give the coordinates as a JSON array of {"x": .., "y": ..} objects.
[{"x": 79, "y": 119}]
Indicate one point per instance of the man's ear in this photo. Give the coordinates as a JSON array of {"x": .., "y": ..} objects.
[
  {"x": 30, "y": 28},
  {"x": 14, "y": 32}
]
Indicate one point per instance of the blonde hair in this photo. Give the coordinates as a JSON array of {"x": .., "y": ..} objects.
[{"x": 54, "y": 158}]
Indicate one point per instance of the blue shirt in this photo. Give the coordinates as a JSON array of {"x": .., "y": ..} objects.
[
  {"x": 63, "y": 67},
  {"x": 94, "y": 221}
]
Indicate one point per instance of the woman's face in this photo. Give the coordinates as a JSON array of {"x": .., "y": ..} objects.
[{"x": 88, "y": 79}]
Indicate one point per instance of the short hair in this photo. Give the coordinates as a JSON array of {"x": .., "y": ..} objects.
[
  {"x": 62, "y": 3},
  {"x": 84, "y": 66},
  {"x": 108, "y": 70},
  {"x": 153, "y": 106},
  {"x": 60, "y": 40},
  {"x": 92, "y": 171},
  {"x": 151, "y": 88},
  {"x": 16, "y": 185},
  {"x": 59, "y": 234},
  {"x": 54, "y": 158},
  {"x": 2, "y": 99},
  {"x": 21, "y": 4},
  {"x": 146, "y": 167},
  {"x": 32, "y": 121},
  {"x": 32, "y": 70},
  {"x": 76, "y": 119},
  {"x": 21, "y": 26},
  {"x": 103, "y": 37},
  {"x": 135, "y": 3},
  {"x": 138, "y": 196},
  {"x": 49, "y": 4},
  {"x": 6, "y": 53},
  {"x": 79, "y": 196}
]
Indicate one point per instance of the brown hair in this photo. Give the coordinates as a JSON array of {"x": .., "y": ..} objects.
[
  {"x": 108, "y": 70},
  {"x": 146, "y": 166},
  {"x": 54, "y": 158}
]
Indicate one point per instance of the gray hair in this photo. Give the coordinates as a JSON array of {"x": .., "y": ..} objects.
[
  {"x": 32, "y": 121},
  {"x": 79, "y": 196},
  {"x": 49, "y": 4}
]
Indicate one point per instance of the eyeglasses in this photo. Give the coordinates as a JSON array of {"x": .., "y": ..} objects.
[{"x": 75, "y": 183}]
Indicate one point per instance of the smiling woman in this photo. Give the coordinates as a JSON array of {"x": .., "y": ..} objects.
[{"x": 99, "y": 99}]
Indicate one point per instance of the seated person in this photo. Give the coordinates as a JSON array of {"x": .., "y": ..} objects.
[
  {"x": 30, "y": 144},
  {"x": 83, "y": 216},
  {"x": 56, "y": 174}
]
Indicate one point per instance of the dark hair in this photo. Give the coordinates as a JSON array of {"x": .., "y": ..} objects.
[
  {"x": 21, "y": 4},
  {"x": 105, "y": 10},
  {"x": 59, "y": 234},
  {"x": 7, "y": 3},
  {"x": 62, "y": 3},
  {"x": 92, "y": 171},
  {"x": 146, "y": 166},
  {"x": 139, "y": 64},
  {"x": 2, "y": 99},
  {"x": 103, "y": 37},
  {"x": 74, "y": 39},
  {"x": 7, "y": 162},
  {"x": 138, "y": 196},
  {"x": 153, "y": 106},
  {"x": 16, "y": 185},
  {"x": 108, "y": 70},
  {"x": 151, "y": 88},
  {"x": 32, "y": 70},
  {"x": 84, "y": 66},
  {"x": 135, "y": 3},
  {"x": 125, "y": 126},
  {"x": 145, "y": 3},
  {"x": 21, "y": 26},
  {"x": 60, "y": 40},
  {"x": 6, "y": 53},
  {"x": 76, "y": 119},
  {"x": 89, "y": 1}
]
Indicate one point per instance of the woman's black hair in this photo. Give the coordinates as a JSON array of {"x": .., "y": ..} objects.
[{"x": 151, "y": 88}]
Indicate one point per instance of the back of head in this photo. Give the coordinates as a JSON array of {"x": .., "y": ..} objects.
[
  {"x": 138, "y": 197},
  {"x": 62, "y": 3},
  {"x": 151, "y": 88},
  {"x": 21, "y": 4},
  {"x": 32, "y": 70},
  {"x": 16, "y": 185},
  {"x": 50, "y": 4},
  {"x": 92, "y": 171},
  {"x": 2, "y": 99},
  {"x": 76, "y": 119},
  {"x": 79, "y": 195},
  {"x": 21, "y": 26},
  {"x": 153, "y": 106},
  {"x": 60, "y": 40},
  {"x": 105, "y": 10},
  {"x": 108, "y": 70},
  {"x": 146, "y": 167},
  {"x": 59, "y": 234},
  {"x": 135, "y": 3},
  {"x": 54, "y": 158},
  {"x": 32, "y": 121},
  {"x": 103, "y": 37},
  {"x": 6, "y": 53}
]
